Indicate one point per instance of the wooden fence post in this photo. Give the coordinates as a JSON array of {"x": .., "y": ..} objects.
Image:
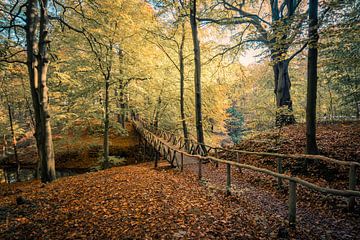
[
  {"x": 292, "y": 203},
  {"x": 280, "y": 170},
  {"x": 228, "y": 179},
  {"x": 182, "y": 162},
  {"x": 352, "y": 184}
]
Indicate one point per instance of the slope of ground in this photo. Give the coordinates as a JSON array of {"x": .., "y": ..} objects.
[
  {"x": 78, "y": 151},
  {"x": 139, "y": 202},
  {"x": 338, "y": 140}
]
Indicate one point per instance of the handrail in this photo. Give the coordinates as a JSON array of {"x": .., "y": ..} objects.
[
  {"x": 293, "y": 156},
  {"x": 345, "y": 193},
  {"x": 160, "y": 144}
]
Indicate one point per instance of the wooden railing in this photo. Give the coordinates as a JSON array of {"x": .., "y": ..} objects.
[{"x": 172, "y": 147}]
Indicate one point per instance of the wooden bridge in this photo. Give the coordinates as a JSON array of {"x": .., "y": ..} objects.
[{"x": 178, "y": 152}]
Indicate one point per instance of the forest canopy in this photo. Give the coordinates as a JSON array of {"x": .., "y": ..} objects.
[{"x": 67, "y": 64}]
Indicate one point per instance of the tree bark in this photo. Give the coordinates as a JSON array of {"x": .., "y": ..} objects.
[
  {"x": 37, "y": 68},
  {"x": 14, "y": 144},
  {"x": 284, "y": 115},
  {"x": 157, "y": 112},
  {"x": 122, "y": 103},
  {"x": 311, "y": 146},
  {"x": 48, "y": 159},
  {"x": 31, "y": 47},
  {"x": 106, "y": 123},
  {"x": 197, "y": 75},
  {"x": 4, "y": 147},
  {"x": 182, "y": 87}
]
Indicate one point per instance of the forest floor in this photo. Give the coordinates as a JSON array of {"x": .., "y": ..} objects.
[
  {"x": 140, "y": 202},
  {"x": 340, "y": 141}
]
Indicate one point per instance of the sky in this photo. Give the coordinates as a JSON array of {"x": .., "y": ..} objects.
[{"x": 248, "y": 57}]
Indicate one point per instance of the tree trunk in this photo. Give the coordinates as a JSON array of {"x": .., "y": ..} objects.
[
  {"x": 48, "y": 159},
  {"x": 155, "y": 121},
  {"x": 106, "y": 123},
  {"x": 14, "y": 144},
  {"x": 182, "y": 88},
  {"x": 331, "y": 108},
  {"x": 197, "y": 75},
  {"x": 37, "y": 69},
  {"x": 31, "y": 25},
  {"x": 284, "y": 115},
  {"x": 4, "y": 147},
  {"x": 311, "y": 146},
  {"x": 122, "y": 104},
  {"x": 357, "y": 107}
]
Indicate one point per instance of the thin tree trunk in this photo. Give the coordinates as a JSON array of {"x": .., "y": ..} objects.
[
  {"x": 14, "y": 143},
  {"x": 4, "y": 148},
  {"x": 311, "y": 146},
  {"x": 182, "y": 87},
  {"x": 157, "y": 112},
  {"x": 331, "y": 103},
  {"x": 122, "y": 104},
  {"x": 357, "y": 107},
  {"x": 106, "y": 124},
  {"x": 48, "y": 159},
  {"x": 197, "y": 77}
]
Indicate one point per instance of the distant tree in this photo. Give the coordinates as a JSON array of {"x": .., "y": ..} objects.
[
  {"x": 171, "y": 42},
  {"x": 234, "y": 124},
  {"x": 340, "y": 56}
]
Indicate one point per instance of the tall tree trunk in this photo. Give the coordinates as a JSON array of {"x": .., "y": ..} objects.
[
  {"x": 31, "y": 47},
  {"x": 182, "y": 87},
  {"x": 14, "y": 144},
  {"x": 37, "y": 68},
  {"x": 48, "y": 159},
  {"x": 106, "y": 123},
  {"x": 197, "y": 75},
  {"x": 311, "y": 146},
  {"x": 284, "y": 115},
  {"x": 122, "y": 103}
]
